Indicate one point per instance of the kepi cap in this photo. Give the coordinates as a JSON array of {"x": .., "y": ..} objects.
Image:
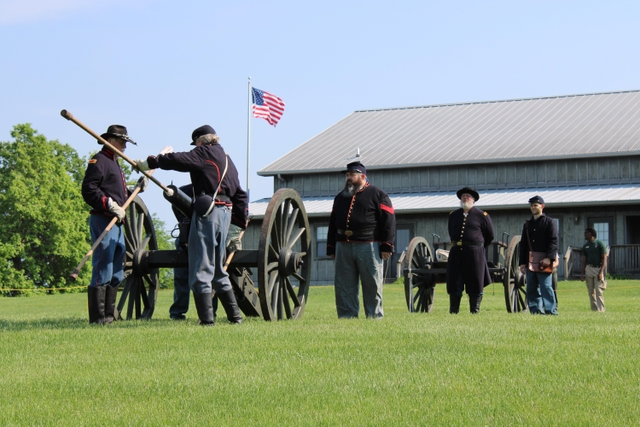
[
  {"x": 536, "y": 199},
  {"x": 355, "y": 167},
  {"x": 202, "y": 130}
]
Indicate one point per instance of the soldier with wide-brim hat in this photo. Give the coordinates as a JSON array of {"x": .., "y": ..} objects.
[
  {"x": 470, "y": 231},
  {"x": 105, "y": 190}
]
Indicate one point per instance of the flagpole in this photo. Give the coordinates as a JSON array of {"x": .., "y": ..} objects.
[{"x": 249, "y": 140}]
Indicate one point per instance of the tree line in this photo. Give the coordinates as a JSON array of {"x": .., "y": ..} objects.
[{"x": 44, "y": 230}]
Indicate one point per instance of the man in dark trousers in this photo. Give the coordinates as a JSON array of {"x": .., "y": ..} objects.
[
  {"x": 361, "y": 233},
  {"x": 539, "y": 234},
  {"x": 471, "y": 232},
  {"x": 218, "y": 201},
  {"x": 105, "y": 190}
]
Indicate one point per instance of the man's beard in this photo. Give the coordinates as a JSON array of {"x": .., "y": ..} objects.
[
  {"x": 350, "y": 189},
  {"x": 466, "y": 205}
]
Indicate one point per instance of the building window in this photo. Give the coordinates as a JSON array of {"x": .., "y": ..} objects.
[
  {"x": 603, "y": 227},
  {"x": 321, "y": 241}
]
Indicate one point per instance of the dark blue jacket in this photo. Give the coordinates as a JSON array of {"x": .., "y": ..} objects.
[
  {"x": 206, "y": 164},
  {"x": 369, "y": 214},
  {"x": 543, "y": 235},
  {"x": 469, "y": 258},
  {"x": 103, "y": 179}
]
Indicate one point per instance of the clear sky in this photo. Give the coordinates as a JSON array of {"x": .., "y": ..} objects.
[{"x": 163, "y": 68}]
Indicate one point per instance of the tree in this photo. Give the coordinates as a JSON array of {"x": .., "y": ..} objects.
[{"x": 44, "y": 230}]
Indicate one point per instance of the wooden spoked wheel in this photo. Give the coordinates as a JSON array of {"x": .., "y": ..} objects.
[
  {"x": 515, "y": 294},
  {"x": 139, "y": 288},
  {"x": 284, "y": 257},
  {"x": 419, "y": 284}
]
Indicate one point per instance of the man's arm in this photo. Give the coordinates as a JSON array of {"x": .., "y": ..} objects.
[{"x": 584, "y": 266}]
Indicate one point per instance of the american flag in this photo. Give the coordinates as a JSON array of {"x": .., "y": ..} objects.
[{"x": 267, "y": 106}]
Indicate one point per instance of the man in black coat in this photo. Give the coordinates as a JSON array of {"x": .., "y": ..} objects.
[{"x": 471, "y": 232}]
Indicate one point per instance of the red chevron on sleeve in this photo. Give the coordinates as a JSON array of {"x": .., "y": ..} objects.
[{"x": 387, "y": 208}]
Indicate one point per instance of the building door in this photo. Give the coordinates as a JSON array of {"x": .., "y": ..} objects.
[
  {"x": 404, "y": 234},
  {"x": 603, "y": 227},
  {"x": 633, "y": 230}
]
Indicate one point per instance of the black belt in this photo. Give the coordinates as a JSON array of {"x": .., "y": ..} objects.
[
  {"x": 461, "y": 243},
  {"x": 223, "y": 198},
  {"x": 357, "y": 233},
  {"x": 593, "y": 265}
]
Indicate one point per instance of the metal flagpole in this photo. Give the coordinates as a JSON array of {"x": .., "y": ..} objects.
[{"x": 249, "y": 141}]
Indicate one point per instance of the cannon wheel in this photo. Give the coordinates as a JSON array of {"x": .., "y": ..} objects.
[
  {"x": 514, "y": 281},
  {"x": 284, "y": 257},
  {"x": 140, "y": 290},
  {"x": 419, "y": 288}
]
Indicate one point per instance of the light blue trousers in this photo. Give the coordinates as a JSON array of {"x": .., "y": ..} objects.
[
  {"x": 207, "y": 251},
  {"x": 540, "y": 293},
  {"x": 358, "y": 262},
  {"x": 108, "y": 257}
]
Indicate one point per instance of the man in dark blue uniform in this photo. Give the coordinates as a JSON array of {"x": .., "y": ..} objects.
[
  {"x": 539, "y": 234},
  {"x": 471, "y": 232},
  {"x": 218, "y": 201},
  {"x": 105, "y": 190},
  {"x": 361, "y": 233}
]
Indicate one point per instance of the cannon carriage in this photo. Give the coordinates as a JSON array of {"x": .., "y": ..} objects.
[
  {"x": 425, "y": 266},
  {"x": 282, "y": 263}
]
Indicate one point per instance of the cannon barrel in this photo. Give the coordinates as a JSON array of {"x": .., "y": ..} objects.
[{"x": 179, "y": 199}]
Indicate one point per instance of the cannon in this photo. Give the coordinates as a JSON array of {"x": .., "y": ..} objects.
[
  {"x": 282, "y": 263},
  {"x": 423, "y": 270}
]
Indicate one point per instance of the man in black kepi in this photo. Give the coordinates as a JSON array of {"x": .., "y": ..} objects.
[
  {"x": 471, "y": 232},
  {"x": 361, "y": 233},
  {"x": 539, "y": 234},
  {"x": 218, "y": 201}
]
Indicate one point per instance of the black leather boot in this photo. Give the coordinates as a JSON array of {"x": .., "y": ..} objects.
[
  {"x": 96, "y": 296},
  {"x": 110, "y": 312},
  {"x": 204, "y": 308},
  {"x": 454, "y": 303},
  {"x": 214, "y": 304},
  {"x": 230, "y": 305},
  {"x": 474, "y": 303}
]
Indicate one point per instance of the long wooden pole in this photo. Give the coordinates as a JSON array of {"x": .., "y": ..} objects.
[{"x": 67, "y": 115}]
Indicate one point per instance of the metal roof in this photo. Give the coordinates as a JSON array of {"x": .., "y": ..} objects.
[
  {"x": 490, "y": 200},
  {"x": 589, "y": 125}
]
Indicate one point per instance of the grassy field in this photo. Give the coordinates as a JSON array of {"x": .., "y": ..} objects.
[{"x": 492, "y": 369}]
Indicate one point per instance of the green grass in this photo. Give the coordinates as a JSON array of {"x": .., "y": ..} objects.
[{"x": 492, "y": 369}]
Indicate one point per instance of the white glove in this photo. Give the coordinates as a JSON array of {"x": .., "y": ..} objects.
[
  {"x": 234, "y": 238},
  {"x": 166, "y": 150},
  {"x": 116, "y": 209},
  {"x": 143, "y": 183},
  {"x": 142, "y": 165}
]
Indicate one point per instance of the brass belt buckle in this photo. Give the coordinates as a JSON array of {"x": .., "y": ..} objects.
[{"x": 348, "y": 233}]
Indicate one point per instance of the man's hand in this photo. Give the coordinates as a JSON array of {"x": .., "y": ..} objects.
[
  {"x": 385, "y": 255},
  {"x": 234, "y": 238},
  {"x": 143, "y": 183},
  {"x": 523, "y": 268},
  {"x": 142, "y": 166},
  {"x": 116, "y": 209}
]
